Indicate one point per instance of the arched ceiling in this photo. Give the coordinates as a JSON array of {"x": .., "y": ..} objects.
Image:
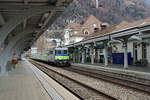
[{"x": 9, "y": 9}]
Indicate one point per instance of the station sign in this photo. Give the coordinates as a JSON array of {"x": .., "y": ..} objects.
[
  {"x": 100, "y": 47},
  {"x": 108, "y": 55}
]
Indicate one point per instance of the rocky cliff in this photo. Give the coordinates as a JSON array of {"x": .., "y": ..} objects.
[{"x": 110, "y": 11}]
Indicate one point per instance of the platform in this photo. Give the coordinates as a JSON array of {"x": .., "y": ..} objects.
[
  {"x": 134, "y": 72},
  {"x": 120, "y": 66},
  {"x": 28, "y": 83}
]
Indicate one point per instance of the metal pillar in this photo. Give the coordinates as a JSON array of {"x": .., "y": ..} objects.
[
  {"x": 79, "y": 56},
  {"x": 98, "y": 55},
  {"x": 92, "y": 56},
  {"x": 105, "y": 55},
  {"x": 125, "y": 55},
  {"x": 3, "y": 62},
  {"x": 83, "y": 56},
  {"x": 74, "y": 57}
]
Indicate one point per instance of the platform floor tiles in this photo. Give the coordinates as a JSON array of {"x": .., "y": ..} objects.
[{"x": 21, "y": 84}]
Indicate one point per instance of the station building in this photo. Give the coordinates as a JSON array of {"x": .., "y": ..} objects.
[
  {"x": 75, "y": 32},
  {"x": 95, "y": 48}
]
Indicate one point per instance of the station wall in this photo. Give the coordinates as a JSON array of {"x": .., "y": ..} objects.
[{"x": 131, "y": 49}]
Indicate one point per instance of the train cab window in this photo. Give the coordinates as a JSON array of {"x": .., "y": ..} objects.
[
  {"x": 58, "y": 51},
  {"x": 65, "y": 51}
]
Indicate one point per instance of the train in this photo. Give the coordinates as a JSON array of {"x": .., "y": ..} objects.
[{"x": 56, "y": 56}]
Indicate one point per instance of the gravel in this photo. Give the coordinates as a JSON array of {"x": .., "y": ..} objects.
[
  {"x": 86, "y": 94},
  {"x": 117, "y": 91}
]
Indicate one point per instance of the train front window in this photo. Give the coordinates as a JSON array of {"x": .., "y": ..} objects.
[
  {"x": 65, "y": 51},
  {"x": 58, "y": 51}
]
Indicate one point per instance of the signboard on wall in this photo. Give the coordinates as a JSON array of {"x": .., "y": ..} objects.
[{"x": 99, "y": 47}]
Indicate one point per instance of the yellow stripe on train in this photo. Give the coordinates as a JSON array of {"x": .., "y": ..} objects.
[{"x": 61, "y": 57}]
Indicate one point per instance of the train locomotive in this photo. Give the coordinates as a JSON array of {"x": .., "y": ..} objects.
[{"x": 56, "y": 56}]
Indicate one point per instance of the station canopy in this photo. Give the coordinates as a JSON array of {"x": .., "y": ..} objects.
[{"x": 32, "y": 16}]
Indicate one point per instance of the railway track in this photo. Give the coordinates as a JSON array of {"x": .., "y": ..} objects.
[
  {"x": 81, "y": 90},
  {"x": 108, "y": 78}
]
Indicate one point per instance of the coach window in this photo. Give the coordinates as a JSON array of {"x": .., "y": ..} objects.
[{"x": 65, "y": 51}]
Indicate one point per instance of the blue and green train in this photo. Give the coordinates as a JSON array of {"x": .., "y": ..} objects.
[{"x": 56, "y": 56}]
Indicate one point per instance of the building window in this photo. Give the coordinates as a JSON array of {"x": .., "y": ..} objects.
[
  {"x": 96, "y": 29},
  {"x": 104, "y": 26},
  {"x": 86, "y": 32}
]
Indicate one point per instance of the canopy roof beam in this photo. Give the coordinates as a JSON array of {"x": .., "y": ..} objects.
[{"x": 2, "y": 21}]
